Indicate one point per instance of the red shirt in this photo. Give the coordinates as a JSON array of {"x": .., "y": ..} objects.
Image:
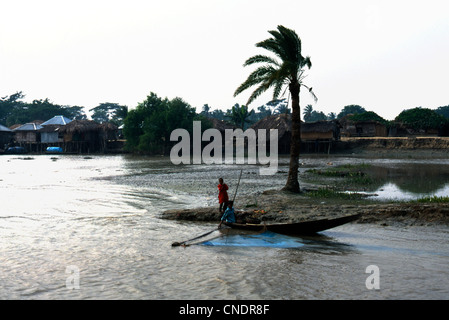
[{"x": 223, "y": 193}]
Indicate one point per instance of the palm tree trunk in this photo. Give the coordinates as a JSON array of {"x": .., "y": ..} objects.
[{"x": 295, "y": 143}]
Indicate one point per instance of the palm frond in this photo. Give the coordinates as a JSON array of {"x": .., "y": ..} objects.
[
  {"x": 278, "y": 88},
  {"x": 273, "y": 46},
  {"x": 260, "y": 59},
  {"x": 256, "y": 93},
  {"x": 307, "y": 62},
  {"x": 257, "y": 76},
  {"x": 315, "y": 98}
]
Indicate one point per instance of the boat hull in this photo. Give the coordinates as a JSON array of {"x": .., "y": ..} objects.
[{"x": 298, "y": 228}]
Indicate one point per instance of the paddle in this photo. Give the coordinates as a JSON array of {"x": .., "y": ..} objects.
[{"x": 177, "y": 244}]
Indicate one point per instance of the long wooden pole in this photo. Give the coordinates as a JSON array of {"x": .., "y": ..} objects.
[{"x": 235, "y": 193}]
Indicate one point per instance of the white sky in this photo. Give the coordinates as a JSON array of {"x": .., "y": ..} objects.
[{"x": 383, "y": 55}]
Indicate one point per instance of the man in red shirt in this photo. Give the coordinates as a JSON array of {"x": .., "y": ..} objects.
[{"x": 223, "y": 197}]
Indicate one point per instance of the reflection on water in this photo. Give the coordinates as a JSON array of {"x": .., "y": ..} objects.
[
  {"x": 391, "y": 191},
  {"x": 101, "y": 215},
  {"x": 411, "y": 180}
]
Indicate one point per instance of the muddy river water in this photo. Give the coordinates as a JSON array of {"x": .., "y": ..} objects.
[{"x": 77, "y": 227}]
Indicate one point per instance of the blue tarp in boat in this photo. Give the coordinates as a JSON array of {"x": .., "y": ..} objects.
[
  {"x": 265, "y": 239},
  {"x": 54, "y": 150},
  {"x": 16, "y": 150}
]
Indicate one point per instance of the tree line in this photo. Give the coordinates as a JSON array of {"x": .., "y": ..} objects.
[{"x": 14, "y": 110}]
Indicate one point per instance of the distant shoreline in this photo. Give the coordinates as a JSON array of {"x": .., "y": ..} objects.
[{"x": 424, "y": 147}]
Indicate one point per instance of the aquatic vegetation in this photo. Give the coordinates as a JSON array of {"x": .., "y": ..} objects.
[
  {"x": 353, "y": 174},
  {"x": 433, "y": 199}
]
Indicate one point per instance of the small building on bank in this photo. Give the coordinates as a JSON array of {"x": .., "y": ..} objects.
[
  {"x": 50, "y": 133},
  {"x": 81, "y": 136},
  {"x": 367, "y": 128},
  {"x": 6, "y": 137},
  {"x": 27, "y": 133},
  {"x": 87, "y": 136},
  {"x": 320, "y": 130}
]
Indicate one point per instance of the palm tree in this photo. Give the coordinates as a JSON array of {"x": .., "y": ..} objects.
[
  {"x": 287, "y": 71},
  {"x": 239, "y": 115},
  {"x": 307, "y": 113}
]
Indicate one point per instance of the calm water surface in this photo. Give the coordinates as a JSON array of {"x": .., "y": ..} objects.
[{"x": 95, "y": 220}]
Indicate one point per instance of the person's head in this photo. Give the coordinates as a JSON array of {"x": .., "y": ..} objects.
[
  {"x": 220, "y": 180},
  {"x": 230, "y": 204}
]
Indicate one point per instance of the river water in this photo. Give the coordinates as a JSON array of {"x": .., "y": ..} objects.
[{"x": 77, "y": 227}]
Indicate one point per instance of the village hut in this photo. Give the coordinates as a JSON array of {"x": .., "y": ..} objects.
[
  {"x": 109, "y": 134},
  {"x": 108, "y": 131},
  {"x": 28, "y": 133},
  {"x": 319, "y": 136},
  {"x": 6, "y": 137},
  {"x": 281, "y": 122},
  {"x": 320, "y": 130},
  {"x": 367, "y": 128},
  {"x": 315, "y": 136},
  {"x": 82, "y": 136},
  {"x": 50, "y": 133}
]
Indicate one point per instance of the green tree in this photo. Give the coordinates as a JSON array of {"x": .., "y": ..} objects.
[
  {"x": 422, "y": 119},
  {"x": 263, "y": 112},
  {"x": 444, "y": 111},
  {"x": 368, "y": 116},
  {"x": 332, "y": 116},
  {"x": 11, "y": 105},
  {"x": 148, "y": 127},
  {"x": 274, "y": 73},
  {"x": 206, "y": 110},
  {"x": 307, "y": 113},
  {"x": 351, "y": 109},
  {"x": 109, "y": 112},
  {"x": 14, "y": 111},
  {"x": 133, "y": 128},
  {"x": 239, "y": 115},
  {"x": 311, "y": 115},
  {"x": 218, "y": 114},
  {"x": 75, "y": 112}
]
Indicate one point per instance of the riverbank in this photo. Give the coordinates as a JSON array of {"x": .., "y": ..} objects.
[
  {"x": 282, "y": 207},
  {"x": 325, "y": 195}
]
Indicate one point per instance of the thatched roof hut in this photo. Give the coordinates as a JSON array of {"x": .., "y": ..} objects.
[
  {"x": 310, "y": 131},
  {"x": 281, "y": 122},
  {"x": 367, "y": 128},
  {"x": 221, "y": 125},
  {"x": 108, "y": 131},
  {"x": 80, "y": 126},
  {"x": 320, "y": 130},
  {"x": 88, "y": 136}
]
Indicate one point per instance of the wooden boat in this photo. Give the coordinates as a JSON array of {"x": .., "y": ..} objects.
[{"x": 298, "y": 228}]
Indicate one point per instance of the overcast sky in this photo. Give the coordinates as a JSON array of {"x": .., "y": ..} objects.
[{"x": 383, "y": 55}]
